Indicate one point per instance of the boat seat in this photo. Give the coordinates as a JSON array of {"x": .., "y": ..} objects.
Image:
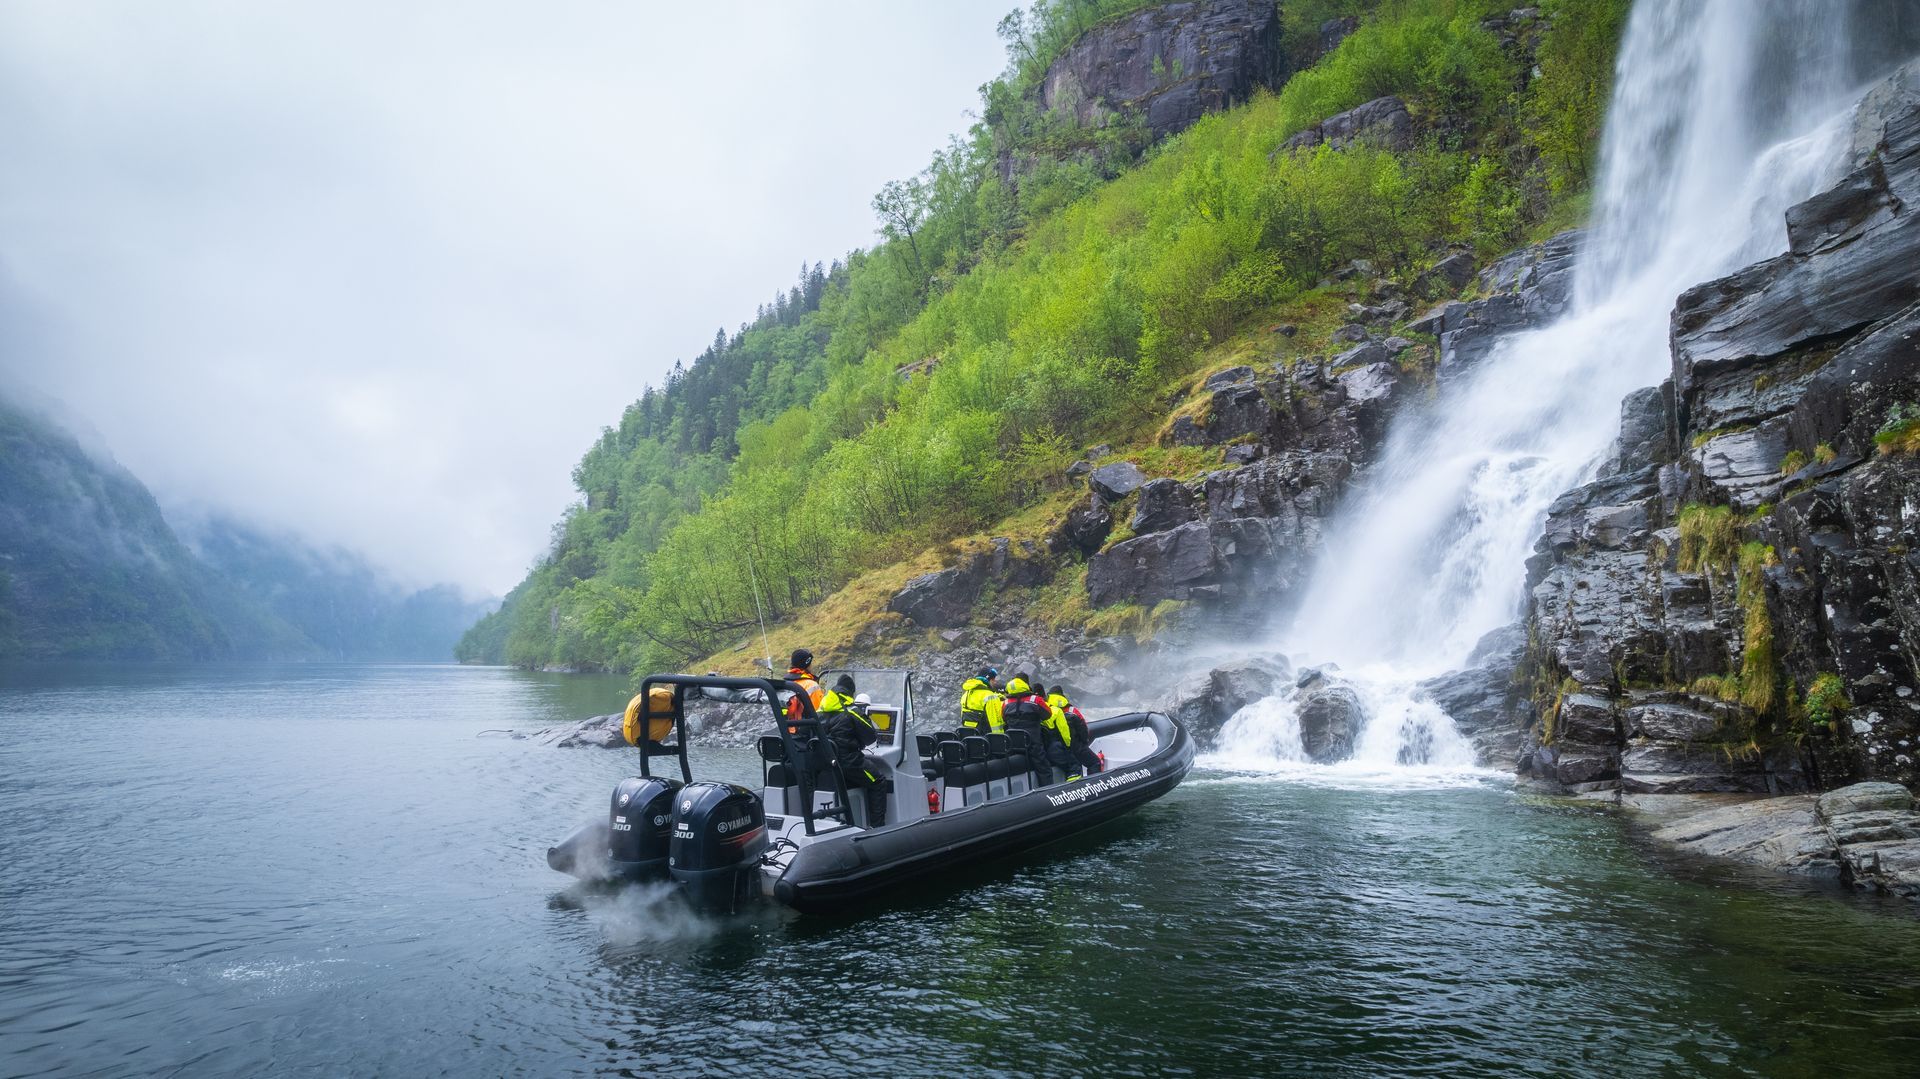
[
  {"x": 1037, "y": 765},
  {"x": 964, "y": 777},
  {"x": 931, "y": 765},
  {"x": 780, "y": 792},
  {"x": 980, "y": 752},
  {"x": 1019, "y": 781}
]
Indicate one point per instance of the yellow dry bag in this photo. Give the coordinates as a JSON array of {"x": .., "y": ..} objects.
[{"x": 657, "y": 714}]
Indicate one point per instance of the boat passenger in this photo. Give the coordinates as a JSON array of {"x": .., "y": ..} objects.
[
  {"x": 1025, "y": 710},
  {"x": 980, "y": 704},
  {"x": 800, "y": 673},
  {"x": 1074, "y": 725},
  {"x": 1059, "y": 738},
  {"x": 844, "y": 721}
]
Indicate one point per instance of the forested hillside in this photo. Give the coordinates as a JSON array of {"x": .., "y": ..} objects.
[{"x": 1045, "y": 285}]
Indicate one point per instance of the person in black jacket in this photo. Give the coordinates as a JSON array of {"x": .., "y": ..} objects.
[
  {"x": 844, "y": 722},
  {"x": 1026, "y": 710}
]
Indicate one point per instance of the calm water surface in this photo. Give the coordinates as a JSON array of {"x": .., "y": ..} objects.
[{"x": 329, "y": 870}]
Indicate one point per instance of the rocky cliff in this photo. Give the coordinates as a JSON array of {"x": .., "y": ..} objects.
[
  {"x": 1168, "y": 65},
  {"x": 1734, "y": 604}
]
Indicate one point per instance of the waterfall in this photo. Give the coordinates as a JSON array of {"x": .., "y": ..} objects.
[{"x": 1724, "y": 113}]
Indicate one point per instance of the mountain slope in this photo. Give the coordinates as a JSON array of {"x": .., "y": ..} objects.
[
  {"x": 339, "y": 601},
  {"x": 89, "y": 567}
]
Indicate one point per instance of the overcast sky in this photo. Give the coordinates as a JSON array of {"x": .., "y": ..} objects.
[{"x": 380, "y": 272}]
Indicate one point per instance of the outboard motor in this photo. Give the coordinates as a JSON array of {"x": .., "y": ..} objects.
[
  {"x": 639, "y": 820},
  {"x": 719, "y": 833}
]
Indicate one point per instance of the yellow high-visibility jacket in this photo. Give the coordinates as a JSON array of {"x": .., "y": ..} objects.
[{"x": 980, "y": 706}]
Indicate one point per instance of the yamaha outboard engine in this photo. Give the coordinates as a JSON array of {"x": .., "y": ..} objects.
[
  {"x": 719, "y": 833},
  {"x": 639, "y": 821}
]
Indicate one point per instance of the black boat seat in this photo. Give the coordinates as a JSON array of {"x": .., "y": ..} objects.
[
  {"x": 966, "y": 780},
  {"x": 1018, "y": 779},
  {"x": 983, "y": 770},
  {"x": 780, "y": 794},
  {"x": 1037, "y": 765},
  {"x": 931, "y": 765}
]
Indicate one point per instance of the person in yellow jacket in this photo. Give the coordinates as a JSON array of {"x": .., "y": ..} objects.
[
  {"x": 1059, "y": 735},
  {"x": 844, "y": 722},
  {"x": 1073, "y": 725},
  {"x": 981, "y": 703}
]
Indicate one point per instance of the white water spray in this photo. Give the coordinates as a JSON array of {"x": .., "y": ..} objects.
[{"x": 1724, "y": 113}]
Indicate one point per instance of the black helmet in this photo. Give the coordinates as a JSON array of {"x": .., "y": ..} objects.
[
  {"x": 844, "y": 685},
  {"x": 989, "y": 673},
  {"x": 802, "y": 659}
]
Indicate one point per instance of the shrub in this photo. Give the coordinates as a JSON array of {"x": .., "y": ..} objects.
[
  {"x": 1826, "y": 699},
  {"x": 1823, "y": 453},
  {"x": 1793, "y": 462}
]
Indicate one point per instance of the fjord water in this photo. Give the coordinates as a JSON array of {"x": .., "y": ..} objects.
[
  {"x": 1724, "y": 114},
  {"x": 331, "y": 870}
]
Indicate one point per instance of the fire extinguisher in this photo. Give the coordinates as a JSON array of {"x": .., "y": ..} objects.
[{"x": 933, "y": 800}]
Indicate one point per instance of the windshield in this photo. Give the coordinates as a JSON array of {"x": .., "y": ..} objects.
[{"x": 887, "y": 690}]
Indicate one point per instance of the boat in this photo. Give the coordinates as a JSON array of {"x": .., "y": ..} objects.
[{"x": 954, "y": 798}]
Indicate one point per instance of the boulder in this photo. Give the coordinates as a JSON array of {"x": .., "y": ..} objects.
[
  {"x": 1330, "y": 719},
  {"x": 1865, "y": 797},
  {"x": 1204, "y": 704},
  {"x": 1363, "y": 355},
  {"x": 1116, "y": 481},
  {"x": 1232, "y": 376},
  {"x": 1147, "y": 569},
  {"x": 1163, "y": 504},
  {"x": 1086, "y": 526},
  {"x": 942, "y": 598},
  {"x": 1521, "y": 290},
  {"x": 1383, "y": 123},
  {"x": 1446, "y": 277}
]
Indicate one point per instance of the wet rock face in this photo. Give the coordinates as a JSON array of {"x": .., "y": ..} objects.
[
  {"x": 1782, "y": 373},
  {"x": 1521, "y": 291},
  {"x": 1168, "y": 65},
  {"x": 1239, "y": 539}
]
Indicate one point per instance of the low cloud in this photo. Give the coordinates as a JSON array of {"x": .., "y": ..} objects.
[{"x": 379, "y": 273}]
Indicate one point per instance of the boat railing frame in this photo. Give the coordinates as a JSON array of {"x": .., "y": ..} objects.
[{"x": 795, "y": 734}]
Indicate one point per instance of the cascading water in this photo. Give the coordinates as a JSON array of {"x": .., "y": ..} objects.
[{"x": 1724, "y": 113}]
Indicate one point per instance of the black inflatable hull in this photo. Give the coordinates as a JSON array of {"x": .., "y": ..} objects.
[{"x": 828, "y": 875}]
